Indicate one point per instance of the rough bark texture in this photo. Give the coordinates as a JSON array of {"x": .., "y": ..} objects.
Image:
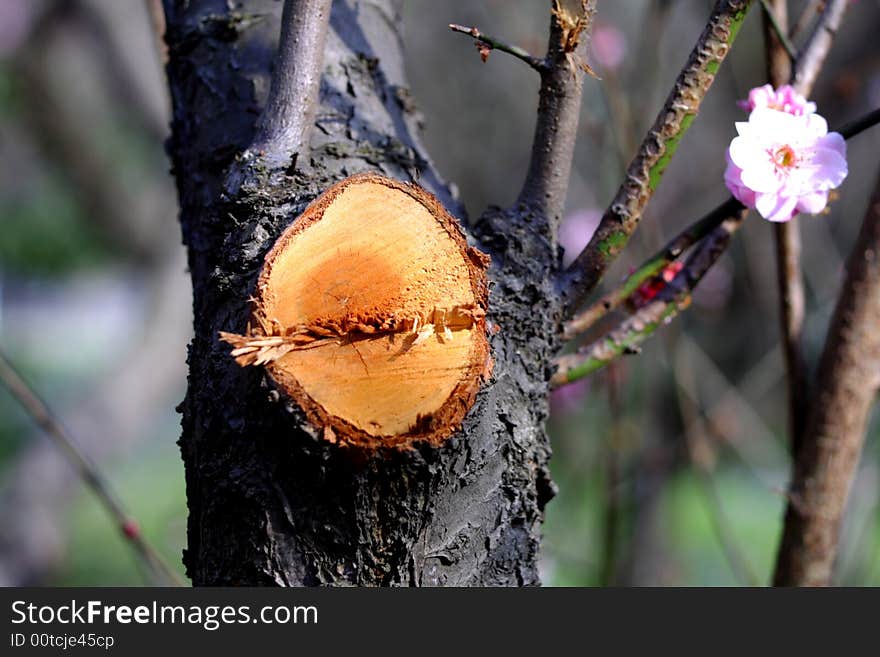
[
  {"x": 269, "y": 501},
  {"x": 847, "y": 383}
]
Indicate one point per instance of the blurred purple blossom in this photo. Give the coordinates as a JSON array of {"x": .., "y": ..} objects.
[
  {"x": 609, "y": 47},
  {"x": 16, "y": 17},
  {"x": 576, "y": 230},
  {"x": 569, "y": 399}
]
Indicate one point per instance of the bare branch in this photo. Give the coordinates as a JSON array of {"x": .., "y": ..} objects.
[
  {"x": 860, "y": 124},
  {"x": 546, "y": 184},
  {"x": 650, "y": 268},
  {"x": 88, "y": 472},
  {"x": 700, "y": 454},
  {"x": 691, "y": 235},
  {"x": 720, "y": 224},
  {"x": 622, "y": 216},
  {"x": 809, "y": 12},
  {"x": 286, "y": 122},
  {"x": 491, "y": 43},
  {"x": 790, "y": 284},
  {"x": 787, "y": 240},
  {"x": 627, "y": 337},
  {"x": 781, "y": 49},
  {"x": 813, "y": 54},
  {"x": 848, "y": 380}
]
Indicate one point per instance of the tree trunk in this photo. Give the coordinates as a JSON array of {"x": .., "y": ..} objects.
[{"x": 270, "y": 501}]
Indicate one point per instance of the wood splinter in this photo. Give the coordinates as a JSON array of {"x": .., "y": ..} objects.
[{"x": 370, "y": 313}]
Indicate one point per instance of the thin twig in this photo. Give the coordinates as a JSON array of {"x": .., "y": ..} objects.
[
  {"x": 627, "y": 337},
  {"x": 88, "y": 472},
  {"x": 492, "y": 43},
  {"x": 700, "y": 457},
  {"x": 614, "y": 519},
  {"x": 691, "y": 235},
  {"x": 286, "y": 122},
  {"x": 650, "y": 268},
  {"x": 814, "y": 52},
  {"x": 792, "y": 304},
  {"x": 622, "y": 216},
  {"x": 809, "y": 12},
  {"x": 776, "y": 16},
  {"x": 787, "y": 241},
  {"x": 847, "y": 383},
  {"x": 546, "y": 184},
  {"x": 117, "y": 72},
  {"x": 860, "y": 124}
]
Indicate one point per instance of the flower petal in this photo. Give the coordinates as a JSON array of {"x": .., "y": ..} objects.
[
  {"x": 812, "y": 203},
  {"x": 816, "y": 125},
  {"x": 761, "y": 178},
  {"x": 833, "y": 141},
  {"x": 826, "y": 168},
  {"x": 774, "y": 207},
  {"x": 734, "y": 183},
  {"x": 745, "y": 153}
]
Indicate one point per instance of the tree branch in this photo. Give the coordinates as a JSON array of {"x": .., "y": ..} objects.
[
  {"x": 813, "y": 54},
  {"x": 286, "y": 122},
  {"x": 787, "y": 240},
  {"x": 860, "y": 124},
  {"x": 88, "y": 472},
  {"x": 790, "y": 286},
  {"x": 780, "y": 50},
  {"x": 650, "y": 268},
  {"x": 627, "y": 337},
  {"x": 701, "y": 457},
  {"x": 848, "y": 380},
  {"x": 810, "y": 11},
  {"x": 713, "y": 232},
  {"x": 492, "y": 43},
  {"x": 622, "y": 216},
  {"x": 691, "y": 235},
  {"x": 546, "y": 184}
]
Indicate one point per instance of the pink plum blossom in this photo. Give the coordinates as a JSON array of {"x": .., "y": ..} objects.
[
  {"x": 782, "y": 164},
  {"x": 569, "y": 399},
  {"x": 784, "y": 99},
  {"x": 609, "y": 47},
  {"x": 576, "y": 231}
]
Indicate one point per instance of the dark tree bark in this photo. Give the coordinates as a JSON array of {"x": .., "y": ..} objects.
[
  {"x": 846, "y": 388},
  {"x": 269, "y": 501}
]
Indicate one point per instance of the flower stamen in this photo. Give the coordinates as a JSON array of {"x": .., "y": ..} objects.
[{"x": 784, "y": 157}]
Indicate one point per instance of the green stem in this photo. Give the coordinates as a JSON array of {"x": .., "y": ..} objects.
[
  {"x": 659, "y": 145},
  {"x": 694, "y": 233},
  {"x": 624, "y": 340},
  {"x": 497, "y": 44},
  {"x": 650, "y": 268}
]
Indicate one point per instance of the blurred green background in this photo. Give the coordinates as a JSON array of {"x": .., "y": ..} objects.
[{"x": 671, "y": 465}]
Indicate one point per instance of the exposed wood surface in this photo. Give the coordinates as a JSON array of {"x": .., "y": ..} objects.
[{"x": 370, "y": 313}]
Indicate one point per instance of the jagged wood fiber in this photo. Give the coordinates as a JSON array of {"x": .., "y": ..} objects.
[{"x": 270, "y": 501}]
